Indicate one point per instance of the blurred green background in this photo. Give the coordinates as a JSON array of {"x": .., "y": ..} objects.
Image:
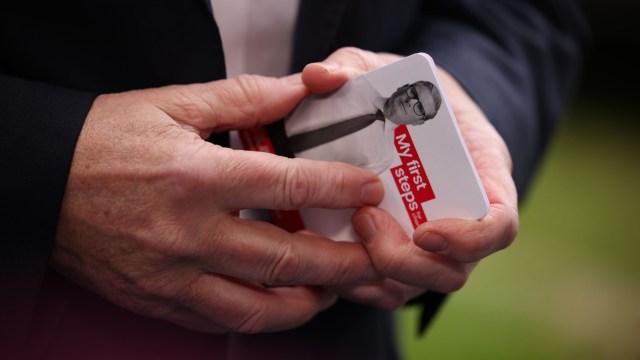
[{"x": 569, "y": 286}]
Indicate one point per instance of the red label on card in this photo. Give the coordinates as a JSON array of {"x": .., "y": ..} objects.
[
  {"x": 256, "y": 139},
  {"x": 410, "y": 177}
]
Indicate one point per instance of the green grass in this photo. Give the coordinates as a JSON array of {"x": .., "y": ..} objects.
[{"x": 569, "y": 287}]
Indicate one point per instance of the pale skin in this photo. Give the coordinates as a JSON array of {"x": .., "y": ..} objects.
[
  {"x": 149, "y": 219},
  {"x": 441, "y": 254}
]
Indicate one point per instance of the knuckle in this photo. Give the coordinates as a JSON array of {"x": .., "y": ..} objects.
[
  {"x": 340, "y": 184},
  {"x": 363, "y": 59},
  {"x": 184, "y": 176},
  {"x": 286, "y": 267},
  {"x": 249, "y": 93},
  {"x": 297, "y": 187},
  {"x": 181, "y": 180},
  {"x": 190, "y": 110},
  {"x": 183, "y": 105}
]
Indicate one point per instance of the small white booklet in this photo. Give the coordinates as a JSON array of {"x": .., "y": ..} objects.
[{"x": 395, "y": 121}]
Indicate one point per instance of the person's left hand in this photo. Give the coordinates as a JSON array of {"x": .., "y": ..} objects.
[{"x": 442, "y": 253}]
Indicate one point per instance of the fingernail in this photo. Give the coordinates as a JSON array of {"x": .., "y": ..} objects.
[
  {"x": 330, "y": 66},
  {"x": 365, "y": 227},
  {"x": 371, "y": 193},
  {"x": 433, "y": 242}
]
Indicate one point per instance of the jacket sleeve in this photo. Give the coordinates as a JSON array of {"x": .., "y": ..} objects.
[
  {"x": 520, "y": 61},
  {"x": 40, "y": 126}
]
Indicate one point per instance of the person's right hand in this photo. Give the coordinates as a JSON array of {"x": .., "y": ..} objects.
[{"x": 149, "y": 218}]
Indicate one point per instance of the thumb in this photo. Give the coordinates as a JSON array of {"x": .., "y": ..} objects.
[
  {"x": 242, "y": 102},
  {"x": 342, "y": 65}
]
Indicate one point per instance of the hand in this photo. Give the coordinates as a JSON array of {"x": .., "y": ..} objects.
[
  {"x": 442, "y": 253},
  {"x": 149, "y": 218}
]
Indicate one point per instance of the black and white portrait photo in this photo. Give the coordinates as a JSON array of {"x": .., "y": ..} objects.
[{"x": 355, "y": 124}]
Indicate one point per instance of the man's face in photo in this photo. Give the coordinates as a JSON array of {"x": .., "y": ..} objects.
[{"x": 411, "y": 104}]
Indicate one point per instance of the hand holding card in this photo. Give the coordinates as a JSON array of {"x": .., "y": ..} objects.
[
  {"x": 452, "y": 245},
  {"x": 395, "y": 121}
]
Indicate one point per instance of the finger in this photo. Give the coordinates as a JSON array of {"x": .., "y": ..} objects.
[
  {"x": 469, "y": 240},
  {"x": 263, "y": 253},
  {"x": 341, "y": 66},
  {"x": 394, "y": 254},
  {"x": 388, "y": 294},
  {"x": 249, "y": 308},
  {"x": 266, "y": 181},
  {"x": 242, "y": 102}
]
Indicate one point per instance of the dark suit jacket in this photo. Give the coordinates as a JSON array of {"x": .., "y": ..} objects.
[{"x": 518, "y": 59}]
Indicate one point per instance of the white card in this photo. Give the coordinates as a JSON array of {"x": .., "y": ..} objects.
[{"x": 424, "y": 164}]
